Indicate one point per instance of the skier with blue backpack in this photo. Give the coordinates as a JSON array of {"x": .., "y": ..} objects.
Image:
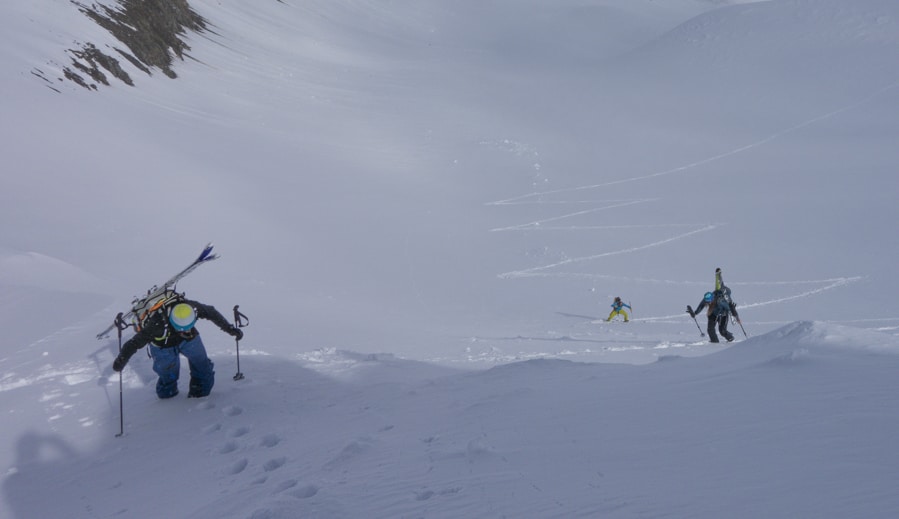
[{"x": 720, "y": 308}]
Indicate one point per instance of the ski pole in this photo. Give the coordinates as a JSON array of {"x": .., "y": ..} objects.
[
  {"x": 120, "y": 325},
  {"x": 741, "y": 327},
  {"x": 693, "y": 315},
  {"x": 240, "y": 320}
]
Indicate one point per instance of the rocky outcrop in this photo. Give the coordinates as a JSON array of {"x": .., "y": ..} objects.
[{"x": 151, "y": 32}]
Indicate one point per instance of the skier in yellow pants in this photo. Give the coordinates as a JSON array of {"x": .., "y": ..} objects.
[{"x": 618, "y": 309}]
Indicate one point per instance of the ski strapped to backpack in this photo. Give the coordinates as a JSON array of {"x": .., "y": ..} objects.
[
  {"x": 721, "y": 287},
  {"x": 725, "y": 291},
  {"x": 158, "y": 296}
]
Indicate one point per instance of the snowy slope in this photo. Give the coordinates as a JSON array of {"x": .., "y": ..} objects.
[
  {"x": 797, "y": 423},
  {"x": 407, "y": 193}
]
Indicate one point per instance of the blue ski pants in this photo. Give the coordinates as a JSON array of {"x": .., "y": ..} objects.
[{"x": 167, "y": 364}]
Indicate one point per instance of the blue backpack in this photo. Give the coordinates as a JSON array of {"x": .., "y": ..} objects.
[{"x": 722, "y": 301}]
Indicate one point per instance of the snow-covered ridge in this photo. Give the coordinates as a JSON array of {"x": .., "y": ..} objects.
[
  {"x": 825, "y": 335},
  {"x": 32, "y": 269},
  {"x": 135, "y": 39}
]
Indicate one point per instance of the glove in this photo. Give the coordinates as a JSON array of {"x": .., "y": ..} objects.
[
  {"x": 124, "y": 354},
  {"x": 691, "y": 312},
  {"x": 235, "y": 332},
  {"x": 119, "y": 363}
]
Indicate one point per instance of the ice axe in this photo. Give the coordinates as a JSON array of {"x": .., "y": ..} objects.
[{"x": 240, "y": 320}]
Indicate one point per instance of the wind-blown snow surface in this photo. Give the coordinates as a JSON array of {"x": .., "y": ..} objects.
[{"x": 405, "y": 193}]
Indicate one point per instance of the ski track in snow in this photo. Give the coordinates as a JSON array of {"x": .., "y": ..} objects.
[
  {"x": 604, "y": 205},
  {"x": 713, "y": 158},
  {"x": 538, "y": 271}
]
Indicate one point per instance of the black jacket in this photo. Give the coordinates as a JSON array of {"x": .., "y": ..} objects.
[
  {"x": 159, "y": 331},
  {"x": 715, "y": 309}
]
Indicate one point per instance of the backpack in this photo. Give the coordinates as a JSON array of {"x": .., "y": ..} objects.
[
  {"x": 155, "y": 302},
  {"x": 722, "y": 301}
]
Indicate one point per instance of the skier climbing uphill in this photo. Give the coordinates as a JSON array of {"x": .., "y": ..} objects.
[
  {"x": 170, "y": 332},
  {"x": 618, "y": 309},
  {"x": 719, "y": 311}
]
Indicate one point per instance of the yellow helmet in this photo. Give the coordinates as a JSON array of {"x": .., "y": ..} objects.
[{"x": 182, "y": 316}]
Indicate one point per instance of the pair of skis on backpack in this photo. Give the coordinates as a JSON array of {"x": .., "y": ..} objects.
[{"x": 158, "y": 292}]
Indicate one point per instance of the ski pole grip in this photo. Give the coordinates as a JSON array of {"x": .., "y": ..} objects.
[
  {"x": 120, "y": 323},
  {"x": 240, "y": 320}
]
